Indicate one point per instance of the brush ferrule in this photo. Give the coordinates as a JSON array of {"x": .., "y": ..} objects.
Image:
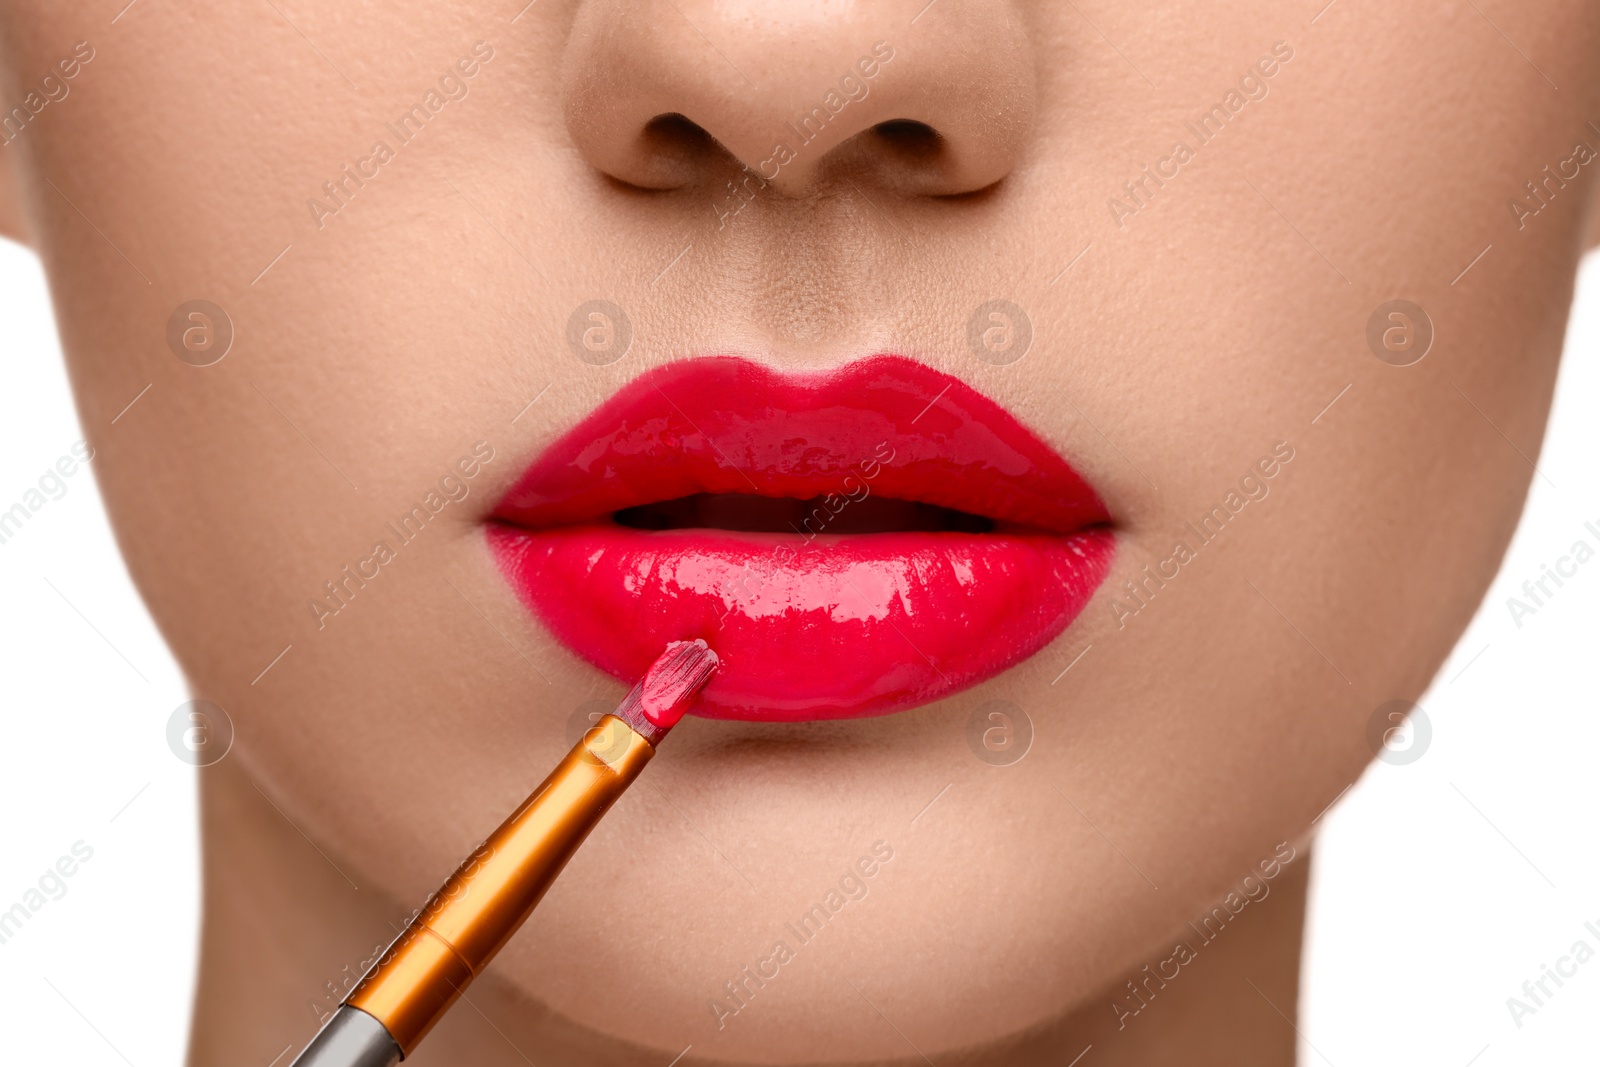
[
  {"x": 486, "y": 900},
  {"x": 490, "y": 895}
]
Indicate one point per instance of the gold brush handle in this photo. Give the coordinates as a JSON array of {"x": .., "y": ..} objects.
[{"x": 481, "y": 905}]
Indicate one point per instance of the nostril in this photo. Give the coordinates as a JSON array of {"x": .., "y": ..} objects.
[
  {"x": 674, "y": 130},
  {"x": 909, "y": 139},
  {"x": 673, "y": 149}
]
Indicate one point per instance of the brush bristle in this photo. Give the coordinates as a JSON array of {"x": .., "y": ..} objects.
[{"x": 668, "y": 688}]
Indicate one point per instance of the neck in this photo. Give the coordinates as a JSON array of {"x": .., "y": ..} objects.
[{"x": 287, "y": 934}]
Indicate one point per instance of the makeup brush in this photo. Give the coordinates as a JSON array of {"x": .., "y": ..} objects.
[{"x": 494, "y": 890}]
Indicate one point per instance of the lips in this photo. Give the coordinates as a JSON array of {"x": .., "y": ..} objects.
[{"x": 852, "y": 542}]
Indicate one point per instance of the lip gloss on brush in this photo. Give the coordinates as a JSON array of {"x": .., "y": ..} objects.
[{"x": 494, "y": 890}]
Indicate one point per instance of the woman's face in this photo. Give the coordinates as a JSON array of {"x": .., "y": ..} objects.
[{"x": 1167, "y": 240}]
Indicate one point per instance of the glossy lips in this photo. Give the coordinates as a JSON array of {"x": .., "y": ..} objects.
[{"x": 808, "y": 622}]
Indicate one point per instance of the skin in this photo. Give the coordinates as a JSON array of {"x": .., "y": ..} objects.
[{"x": 1212, "y": 324}]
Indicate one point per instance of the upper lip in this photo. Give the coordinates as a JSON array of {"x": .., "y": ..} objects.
[
  {"x": 834, "y": 600},
  {"x": 952, "y": 446}
]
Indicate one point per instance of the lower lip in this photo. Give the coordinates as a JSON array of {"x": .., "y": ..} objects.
[{"x": 836, "y": 627}]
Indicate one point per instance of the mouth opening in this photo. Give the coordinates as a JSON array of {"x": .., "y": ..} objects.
[{"x": 750, "y": 513}]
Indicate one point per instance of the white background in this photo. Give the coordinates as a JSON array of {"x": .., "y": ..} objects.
[{"x": 1440, "y": 886}]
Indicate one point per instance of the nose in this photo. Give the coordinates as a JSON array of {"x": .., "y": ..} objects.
[{"x": 659, "y": 93}]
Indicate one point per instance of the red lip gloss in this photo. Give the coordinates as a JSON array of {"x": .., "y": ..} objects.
[{"x": 899, "y": 617}]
